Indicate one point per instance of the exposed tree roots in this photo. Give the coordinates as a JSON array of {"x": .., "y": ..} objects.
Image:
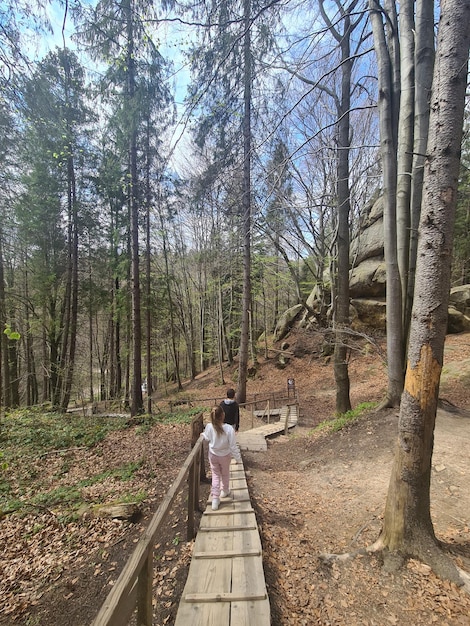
[
  {"x": 388, "y": 403},
  {"x": 432, "y": 555}
]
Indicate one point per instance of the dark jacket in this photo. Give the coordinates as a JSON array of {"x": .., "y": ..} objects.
[{"x": 232, "y": 412}]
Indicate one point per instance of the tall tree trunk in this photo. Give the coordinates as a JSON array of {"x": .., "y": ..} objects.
[
  {"x": 246, "y": 211},
  {"x": 388, "y": 104},
  {"x": 220, "y": 332},
  {"x": 408, "y": 526},
  {"x": 32, "y": 393},
  {"x": 341, "y": 317},
  {"x": 115, "y": 356},
  {"x": 405, "y": 143},
  {"x": 137, "y": 404},
  {"x": 70, "y": 358},
  {"x": 148, "y": 277},
  {"x": 174, "y": 347},
  {"x": 4, "y": 367},
  {"x": 64, "y": 334},
  {"x": 90, "y": 329},
  {"x": 46, "y": 364},
  {"x": 424, "y": 62}
]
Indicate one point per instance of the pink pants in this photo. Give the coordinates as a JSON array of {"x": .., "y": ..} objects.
[{"x": 220, "y": 468}]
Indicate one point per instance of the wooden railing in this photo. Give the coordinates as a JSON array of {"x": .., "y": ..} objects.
[
  {"x": 258, "y": 400},
  {"x": 133, "y": 588},
  {"x": 270, "y": 409}
]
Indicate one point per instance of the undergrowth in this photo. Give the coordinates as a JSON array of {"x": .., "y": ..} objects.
[
  {"x": 345, "y": 419},
  {"x": 29, "y": 436}
]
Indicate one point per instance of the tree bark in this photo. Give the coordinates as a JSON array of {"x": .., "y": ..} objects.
[
  {"x": 405, "y": 140},
  {"x": 137, "y": 405},
  {"x": 388, "y": 104},
  {"x": 246, "y": 213},
  {"x": 5, "y": 395},
  {"x": 341, "y": 307},
  {"x": 424, "y": 62},
  {"x": 407, "y": 522}
]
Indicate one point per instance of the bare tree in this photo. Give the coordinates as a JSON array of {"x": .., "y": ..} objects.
[
  {"x": 405, "y": 55},
  {"x": 246, "y": 210},
  {"x": 386, "y": 44}
]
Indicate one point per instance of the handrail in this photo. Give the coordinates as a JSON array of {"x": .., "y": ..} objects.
[
  {"x": 254, "y": 398},
  {"x": 133, "y": 588}
]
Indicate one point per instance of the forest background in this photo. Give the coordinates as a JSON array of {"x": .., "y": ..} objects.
[
  {"x": 142, "y": 240},
  {"x": 146, "y": 235}
]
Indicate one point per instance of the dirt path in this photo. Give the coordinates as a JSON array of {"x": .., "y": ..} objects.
[{"x": 327, "y": 496}]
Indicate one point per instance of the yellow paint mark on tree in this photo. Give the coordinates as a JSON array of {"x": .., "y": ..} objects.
[{"x": 422, "y": 381}]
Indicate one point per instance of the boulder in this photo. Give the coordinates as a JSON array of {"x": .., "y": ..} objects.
[
  {"x": 367, "y": 285},
  {"x": 368, "y": 279},
  {"x": 457, "y": 322},
  {"x": 371, "y": 313},
  {"x": 460, "y": 299},
  {"x": 286, "y": 321},
  {"x": 369, "y": 243}
]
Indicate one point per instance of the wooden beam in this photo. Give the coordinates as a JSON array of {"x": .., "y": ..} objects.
[
  {"x": 224, "y": 597},
  {"x": 216, "y": 529},
  {"x": 226, "y": 554}
]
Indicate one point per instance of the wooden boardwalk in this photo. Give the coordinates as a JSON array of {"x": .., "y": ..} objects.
[
  {"x": 254, "y": 440},
  {"x": 225, "y": 584}
]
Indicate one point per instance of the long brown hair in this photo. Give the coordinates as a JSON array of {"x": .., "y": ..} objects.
[{"x": 217, "y": 419}]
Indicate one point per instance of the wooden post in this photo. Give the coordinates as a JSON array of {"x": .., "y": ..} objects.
[
  {"x": 197, "y": 427},
  {"x": 191, "y": 501},
  {"x": 286, "y": 427},
  {"x": 197, "y": 474},
  {"x": 269, "y": 411},
  {"x": 144, "y": 591}
]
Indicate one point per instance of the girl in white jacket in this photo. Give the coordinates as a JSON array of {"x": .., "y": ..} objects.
[{"x": 222, "y": 447}]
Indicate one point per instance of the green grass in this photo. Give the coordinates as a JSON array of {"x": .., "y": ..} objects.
[
  {"x": 71, "y": 495},
  {"x": 36, "y": 432},
  {"x": 179, "y": 415},
  {"x": 341, "y": 421},
  {"x": 28, "y": 436}
]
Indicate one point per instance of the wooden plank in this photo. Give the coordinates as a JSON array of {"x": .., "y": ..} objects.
[
  {"x": 214, "y": 543},
  {"x": 246, "y": 576},
  {"x": 211, "y": 522},
  {"x": 249, "y": 613},
  {"x": 247, "y": 542},
  {"x": 203, "y": 614},
  {"x": 226, "y": 554},
  {"x": 234, "y": 544},
  {"x": 221, "y": 528},
  {"x": 223, "y": 597},
  {"x": 237, "y": 498},
  {"x": 209, "y": 576},
  {"x": 244, "y": 507}
]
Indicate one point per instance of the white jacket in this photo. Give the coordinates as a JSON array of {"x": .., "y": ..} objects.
[{"x": 221, "y": 445}]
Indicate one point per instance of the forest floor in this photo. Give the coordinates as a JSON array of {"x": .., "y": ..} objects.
[{"x": 315, "y": 493}]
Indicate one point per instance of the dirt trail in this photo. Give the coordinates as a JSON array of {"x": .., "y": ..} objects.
[{"x": 328, "y": 496}]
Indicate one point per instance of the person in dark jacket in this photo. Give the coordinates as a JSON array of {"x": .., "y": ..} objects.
[{"x": 231, "y": 410}]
